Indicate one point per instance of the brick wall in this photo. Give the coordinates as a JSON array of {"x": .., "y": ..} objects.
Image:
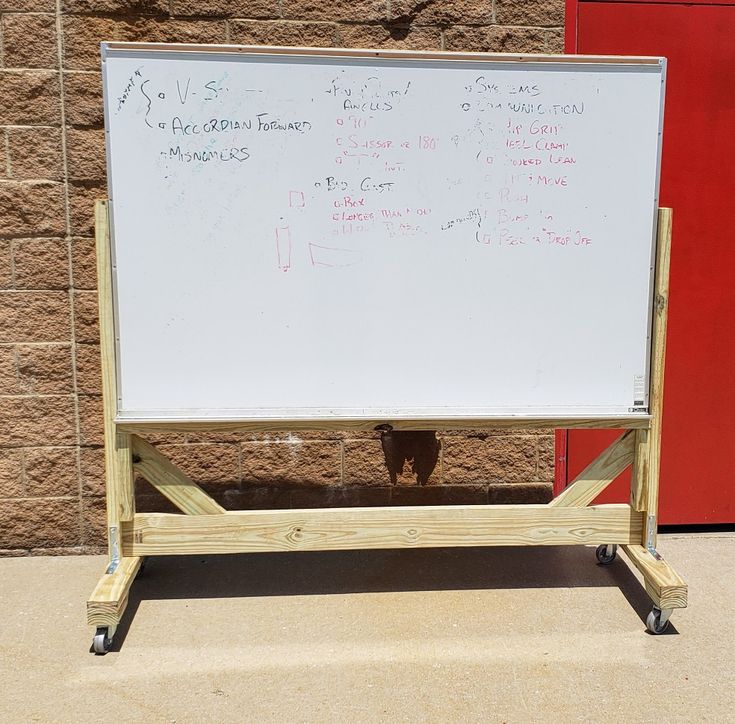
[{"x": 52, "y": 167}]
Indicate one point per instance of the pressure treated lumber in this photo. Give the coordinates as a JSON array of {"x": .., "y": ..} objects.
[
  {"x": 165, "y": 477},
  {"x": 118, "y": 457},
  {"x": 107, "y": 603},
  {"x": 385, "y": 527},
  {"x": 639, "y": 477},
  {"x": 658, "y": 357},
  {"x": 372, "y": 54},
  {"x": 665, "y": 587},
  {"x": 598, "y": 474}
]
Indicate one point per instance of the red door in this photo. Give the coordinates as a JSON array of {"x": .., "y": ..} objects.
[{"x": 698, "y": 182}]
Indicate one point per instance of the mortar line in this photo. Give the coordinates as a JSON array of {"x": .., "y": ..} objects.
[
  {"x": 40, "y": 497},
  {"x": 35, "y": 180},
  {"x": 27, "y": 237},
  {"x": 37, "y": 396},
  {"x": 34, "y": 344},
  {"x": 21, "y": 69},
  {"x": 14, "y": 126},
  {"x": 35, "y": 290},
  {"x": 40, "y": 447},
  {"x": 31, "y": 181},
  {"x": 69, "y": 255}
]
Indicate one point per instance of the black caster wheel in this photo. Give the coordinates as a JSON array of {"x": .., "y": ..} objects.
[
  {"x": 606, "y": 554},
  {"x": 101, "y": 643}
]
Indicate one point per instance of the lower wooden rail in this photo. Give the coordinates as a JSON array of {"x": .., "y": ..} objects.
[{"x": 387, "y": 527}]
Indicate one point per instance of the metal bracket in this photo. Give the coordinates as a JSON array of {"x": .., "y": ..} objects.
[
  {"x": 665, "y": 614},
  {"x": 650, "y": 533},
  {"x": 114, "y": 549}
]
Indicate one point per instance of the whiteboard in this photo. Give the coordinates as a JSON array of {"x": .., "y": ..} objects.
[{"x": 311, "y": 235}]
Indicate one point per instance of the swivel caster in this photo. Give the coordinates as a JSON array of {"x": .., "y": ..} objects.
[
  {"x": 658, "y": 620},
  {"x": 101, "y": 643},
  {"x": 606, "y": 554}
]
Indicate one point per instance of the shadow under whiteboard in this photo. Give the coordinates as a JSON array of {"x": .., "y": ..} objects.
[{"x": 372, "y": 571}]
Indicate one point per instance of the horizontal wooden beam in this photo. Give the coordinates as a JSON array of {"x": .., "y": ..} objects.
[
  {"x": 171, "y": 482},
  {"x": 107, "y": 603},
  {"x": 598, "y": 474},
  {"x": 371, "y": 54},
  {"x": 144, "y": 427},
  {"x": 387, "y": 527},
  {"x": 666, "y": 588}
]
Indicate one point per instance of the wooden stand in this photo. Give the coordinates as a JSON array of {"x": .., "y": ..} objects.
[{"x": 205, "y": 527}]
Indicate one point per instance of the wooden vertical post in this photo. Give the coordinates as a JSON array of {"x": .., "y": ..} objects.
[
  {"x": 644, "y": 495},
  {"x": 665, "y": 587},
  {"x": 107, "y": 603},
  {"x": 118, "y": 449},
  {"x": 640, "y": 471}
]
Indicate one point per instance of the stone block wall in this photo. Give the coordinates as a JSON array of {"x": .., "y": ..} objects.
[{"x": 52, "y": 168}]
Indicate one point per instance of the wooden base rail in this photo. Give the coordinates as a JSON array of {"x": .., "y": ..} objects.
[
  {"x": 107, "y": 603},
  {"x": 666, "y": 588}
]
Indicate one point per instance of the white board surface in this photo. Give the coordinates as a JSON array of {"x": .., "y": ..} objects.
[{"x": 304, "y": 236}]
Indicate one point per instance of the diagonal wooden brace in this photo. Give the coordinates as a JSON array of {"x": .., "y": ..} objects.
[
  {"x": 165, "y": 477},
  {"x": 598, "y": 474}
]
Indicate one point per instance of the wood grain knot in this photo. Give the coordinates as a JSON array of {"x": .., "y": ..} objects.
[{"x": 295, "y": 534}]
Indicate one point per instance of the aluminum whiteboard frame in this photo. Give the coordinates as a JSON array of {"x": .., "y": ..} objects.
[{"x": 441, "y": 416}]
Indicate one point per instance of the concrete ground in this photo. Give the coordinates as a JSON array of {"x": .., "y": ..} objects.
[{"x": 486, "y": 635}]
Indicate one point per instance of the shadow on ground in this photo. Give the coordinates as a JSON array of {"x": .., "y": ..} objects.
[{"x": 371, "y": 571}]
